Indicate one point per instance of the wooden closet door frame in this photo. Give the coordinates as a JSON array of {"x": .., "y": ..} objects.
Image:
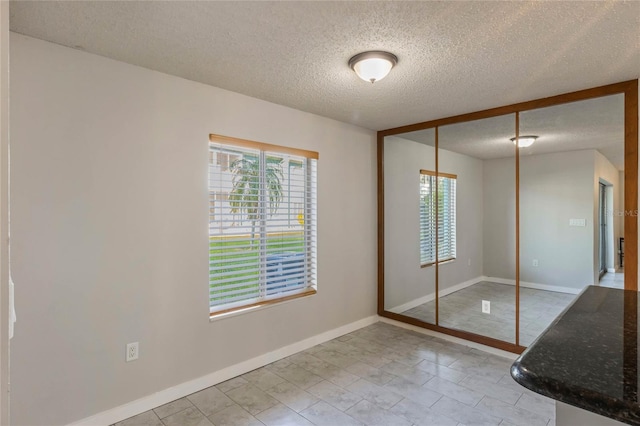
[{"x": 630, "y": 91}]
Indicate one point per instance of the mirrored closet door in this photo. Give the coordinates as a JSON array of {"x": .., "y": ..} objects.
[
  {"x": 476, "y": 227},
  {"x": 491, "y": 223},
  {"x": 410, "y": 279},
  {"x": 571, "y": 172}
]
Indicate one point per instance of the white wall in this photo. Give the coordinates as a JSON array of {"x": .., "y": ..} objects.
[
  {"x": 405, "y": 280},
  {"x": 109, "y": 230}
]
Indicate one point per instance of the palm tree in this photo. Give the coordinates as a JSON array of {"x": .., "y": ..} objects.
[{"x": 245, "y": 193}]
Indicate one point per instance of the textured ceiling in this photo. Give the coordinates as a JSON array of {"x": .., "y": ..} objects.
[
  {"x": 590, "y": 124},
  {"x": 454, "y": 57}
]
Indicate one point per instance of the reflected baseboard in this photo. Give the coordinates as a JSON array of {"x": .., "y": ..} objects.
[
  {"x": 431, "y": 296},
  {"x": 536, "y": 286},
  {"x": 444, "y": 292}
]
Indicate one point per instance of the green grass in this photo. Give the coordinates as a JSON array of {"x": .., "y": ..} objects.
[{"x": 241, "y": 263}]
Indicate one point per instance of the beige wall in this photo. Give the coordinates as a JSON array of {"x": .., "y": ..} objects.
[
  {"x": 470, "y": 199},
  {"x": 109, "y": 230},
  {"x": 4, "y": 212},
  {"x": 404, "y": 279},
  {"x": 553, "y": 189},
  {"x": 499, "y": 224}
]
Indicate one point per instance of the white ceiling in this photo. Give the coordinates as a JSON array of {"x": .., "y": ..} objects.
[
  {"x": 454, "y": 57},
  {"x": 590, "y": 124}
]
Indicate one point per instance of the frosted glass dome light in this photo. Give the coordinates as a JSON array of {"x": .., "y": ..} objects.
[
  {"x": 373, "y": 66},
  {"x": 524, "y": 141}
]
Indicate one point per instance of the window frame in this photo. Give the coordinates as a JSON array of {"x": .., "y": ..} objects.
[
  {"x": 450, "y": 258},
  {"x": 309, "y": 230}
]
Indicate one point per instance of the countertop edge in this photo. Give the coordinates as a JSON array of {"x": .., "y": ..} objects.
[{"x": 582, "y": 398}]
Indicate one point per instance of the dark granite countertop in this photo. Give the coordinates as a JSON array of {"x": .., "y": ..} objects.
[{"x": 588, "y": 357}]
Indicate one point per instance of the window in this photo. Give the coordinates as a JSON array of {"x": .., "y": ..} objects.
[
  {"x": 262, "y": 224},
  {"x": 446, "y": 220}
]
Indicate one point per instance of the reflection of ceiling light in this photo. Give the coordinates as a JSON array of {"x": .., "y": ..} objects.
[
  {"x": 524, "y": 141},
  {"x": 373, "y": 65}
]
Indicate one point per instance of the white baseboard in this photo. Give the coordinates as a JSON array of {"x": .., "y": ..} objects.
[
  {"x": 413, "y": 303},
  {"x": 546, "y": 287},
  {"x": 176, "y": 392},
  {"x": 429, "y": 297},
  {"x": 613, "y": 270}
]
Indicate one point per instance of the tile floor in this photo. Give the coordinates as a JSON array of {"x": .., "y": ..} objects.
[
  {"x": 461, "y": 310},
  {"x": 614, "y": 280},
  {"x": 379, "y": 375}
]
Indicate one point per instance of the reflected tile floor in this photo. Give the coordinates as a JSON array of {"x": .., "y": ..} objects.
[
  {"x": 461, "y": 310},
  {"x": 379, "y": 375}
]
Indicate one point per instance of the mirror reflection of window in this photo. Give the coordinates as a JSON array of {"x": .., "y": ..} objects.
[{"x": 443, "y": 200}]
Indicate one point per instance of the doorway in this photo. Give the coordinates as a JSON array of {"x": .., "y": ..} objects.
[{"x": 602, "y": 214}]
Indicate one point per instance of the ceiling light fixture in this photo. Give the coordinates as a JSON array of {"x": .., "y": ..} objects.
[
  {"x": 373, "y": 65},
  {"x": 524, "y": 141}
]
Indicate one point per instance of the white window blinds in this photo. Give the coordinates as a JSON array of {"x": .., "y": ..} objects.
[
  {"x": 262, "y": 223},
  {"x": 427, "y": 220},
  {"x": 445, "y": 205}
]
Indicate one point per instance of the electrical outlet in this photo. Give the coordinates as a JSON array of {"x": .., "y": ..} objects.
[
  {"x": 486, "y": 307},
  {"x": 132, "y": 351},
  {"x": 535, "y": 262}
]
